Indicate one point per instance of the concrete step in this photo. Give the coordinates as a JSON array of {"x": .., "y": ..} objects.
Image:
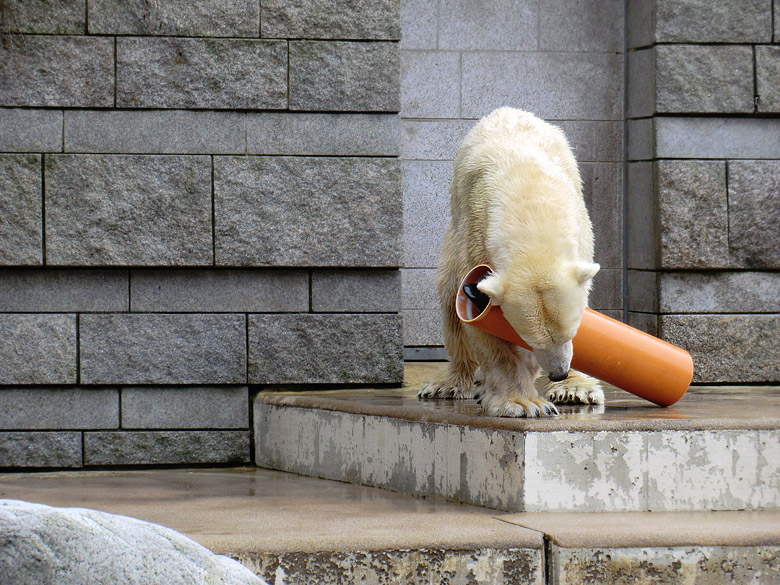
[
  {"x": 294, "y": 530},
  {"x": 716, "y": 449}
]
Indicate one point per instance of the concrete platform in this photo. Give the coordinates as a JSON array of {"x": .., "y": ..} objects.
[{"x": 716, "y": 449}]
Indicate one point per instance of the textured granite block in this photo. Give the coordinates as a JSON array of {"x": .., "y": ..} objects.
[
  {"x": 693, "y": 214},
  {"x": 553, "y": 84},
  {"x": 641, "y": 216},
  {"x": 501, "y": 25},
  {"x": 57, "y": 71},
  {"x": 166, "y": 447},
  {"x": 40, "y": 449},
  {"x": 701, "y": 21},
  {"x": 356, "y": 291},
  {"x": 20, "y": 209},
  {"x": 602, "y": 188},
  {"x": 297, "y": 211},
  {"x": 709, "y": 78},
  {"x": 639, "y": 23},
  {"x": 754, "y": 213},
  {"x": 43, "y": 17},
  {"x": 419, "y": 24},
  {"x": 640, "y": 139},
  {"x": 163, "y": 349},
  {"x": 30, "y": 130},
  {"x": 594, "y": 141},
  {"x": 418, "y": 288},
  {"x": 37, "y": 349},
  {"x": 325, "y": 349},
  {"x": 727, "y": 348},
  {"x": 426, "y": 211},
  {"x": 717, "y": 138},
  {"x": 326, "y": 19},
  {"x": 719, "y": 292},
  {"x": 199, "y": 407},
  {"x": 62, "y": 291},
  {"x": 155, "y": 132},
  {"x": 128, "y": 210},
  {"x": 423, "y": 327},
  {"x": 646, "y": 322},
  {"x": 432, "y": 139},
  {"x": 344, "y": 76},
  {"x": 768, "y": 78},
  {"x": 225, "y": 291},
  {"x": 643, "y": 292},
  {"x": 607, "y": 293},
  {"x": 322, "y": 134},
  {"x": 58, "y": 408},
  {"x": 429, "y": 85},
  {"x": 640, "y": 81},
  {"x": 188, "y": 18},
  {"x": 201, "y": 73},
  {"x": 574, "y": 25}
]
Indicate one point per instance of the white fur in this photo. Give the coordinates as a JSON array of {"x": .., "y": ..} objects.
[{"x": 516, "y": 205}]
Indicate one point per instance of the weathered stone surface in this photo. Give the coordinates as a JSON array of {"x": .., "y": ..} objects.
[
  {"x": 426, "y": 211},
  {"x": 500, "y": 25},
  {"x": 37, "y": 349},
  {"x": 754, "y": 213},
  {"x": 640, "y": 139},
  {"x": 727, "y": 348},
  {"x": 430, "y": 84},
  {"x": 602, "y": 189},
  {"x": 639, "y": 24},
  {"x": 201, "y": 73},
  {"x": 198, "y": 407},
  {"x": 106, "y": 210},
  {"x": 418, "y": 288},
  {"x": 717, "y": 138},
  {"x": 419, "y": 23},
  {"x": 719, "y": 292},
  {"x": 23, "y": 130},
  {"x": 42, "y": 545},
  {"x": 700, "y": 21},
  {"x": 594, "y": 141},
  {"x": 297, "y": 211},
  {"x": 423, "y": 327},
  {"x": 325, "y": 19},
  {"x": 43, "y": 17},
  {"x": 355, "y": 291},
  {"x": 40, "y": 449},
  {"x": 58, "y": 408},
  {"x": 768, "y": 78},
  {"x": 57, "y": 71},
  {"x": 163, "y": 349},
  {"x": 240, "y": 18},
  {"x": 227, "y": 291},
  {"x": 165, "y": 447},
  {"x": 432, "y": 139},
  {"x": 573, "y": 25},
  {"x": 344, "y": 76},
  {"x": 643, "y": 291},
  {"x": 62, "y": 291},
  {"x": 325, "y": 349},
  {"x": 693, "y": 214},
  {"x": 20, "y": 209},
  {"x": 640, "y": 79},
  {"x": 709, "y": 78},
  {"x": 641, "y": 216},
  {"x": 607, "y": 293},
  {"x": 322, "y": 134}
]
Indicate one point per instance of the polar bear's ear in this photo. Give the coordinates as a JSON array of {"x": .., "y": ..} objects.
[
  {"x": 586, "y": 271},
  {"x": 493, "y": 287}
]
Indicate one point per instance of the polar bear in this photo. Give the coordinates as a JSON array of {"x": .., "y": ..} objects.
[{"x": 517, "y": 205}]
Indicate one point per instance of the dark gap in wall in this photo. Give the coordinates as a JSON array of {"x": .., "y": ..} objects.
[
  {"x": 43, "y": 209},
  {"x": 246, "y": 344},
  {"x": 119, "y": 409},
  {"x": 624, "y": 165},
  {"x": 728, "y": 215},
  {"x": 129, "y": 290},
  {"x": 115, "y": 68},
  {"x": 213, "y": 218},
  {"x": 78, "y": 349},
  {"x": 311, "y": 278}
]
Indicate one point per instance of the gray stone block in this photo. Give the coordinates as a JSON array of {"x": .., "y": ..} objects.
[
  {"x": 58, "y": 408},
  {"x": 224, "y": 291},
  {"x": 432, "y": 139},
  {"x": 297, "y": 211},
  {"x": 639, "y": 23},
  {"x": 693, "y": 214},
  {"x": 418, "y": 289},
  {"x": 719, "y": 292},
  {"x": 344, "y": 76},
  {"x": 198, "y": 407},
  {"x": 155, "y": 132},
  {"x": 768, "y": 78},
  {"x": 44, "y": 17},
  {"x": 501, "y": 25},
  {"x": 355, "y": 291},
  {"x": 426, "y": 211},
  {"x": 163, "y": 349},
  {"x": 37, "y": 349},
  {"x": 322, "y": 134},
  {"x": 553, "y": 84},
  {"x": 602, "y": 188},
  {"x": 63, "y": 291},
  {"x": 201, "y": 73},
  {"x": 594, "y": 141},
  {"x": 647, "y": 322},
  {"x": 325, "y": 19},
  {"x": 419, "y": 23},
  {"x": 643, "y": 291},
  {"x": 717, "y": 138},
  {"x": 607, "y": 293},
  {"x": 704, "y": 78},
  {"x": 727, "y": 348},
  {"x": 640, "y": 81},
  {"x": 104, "y": 210},
  {"x": 166, "y": 447},
  {"x": 423, "y": 327},
  {"x": 754, "y": 213},
  {"x": 48, "y": 70},
  {"x": 20, "y": 210},
  {"x": 641, "y": 216},
  {"x": 325, "y": 349},
  {"x": 430, "y": 84},
  {"x": 188, "y": 18},
  {"x": 24, "y": 130},
  {"x": 640, "y": 139},
  {"x": 700, "y": 21},
  {"x": 40, "y": 449},
  {"x": 574, "y": 25}
]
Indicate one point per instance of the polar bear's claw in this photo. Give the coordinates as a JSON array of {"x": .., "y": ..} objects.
[
  {"x": 575, "y": 390},
  {"x": 444, "y": 389}
]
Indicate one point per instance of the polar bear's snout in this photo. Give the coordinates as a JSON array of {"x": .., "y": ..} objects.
[{"x": 555, "y": 361}]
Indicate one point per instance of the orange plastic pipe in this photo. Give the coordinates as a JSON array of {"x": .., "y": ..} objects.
[{"x": 603, "y": 348}]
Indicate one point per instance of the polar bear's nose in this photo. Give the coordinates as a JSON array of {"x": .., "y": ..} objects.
[{"x": 557, "y": 377}]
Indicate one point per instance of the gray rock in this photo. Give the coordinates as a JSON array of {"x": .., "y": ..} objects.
[
  {"x": 418, "y": 288},
  {"x": 640, "y": 139},
  {"x": 607, "y": 293},
  {"x": 344, "y": 76},
  {"x": 602, "y": 190},
  {"x": 430, "y": 84},
  {"x": 355, "y": 291},
  {"x": 23, "y": 130},
  {"x": 41, "y": 449},
  {"x": 640, "y": 74},
  {"x": 20, "y": 209},
  {"x": 59, "y": 408},
  {"x": 193, "y": 407},
  {"x": 43, "y": 16},
  {"x": 707, "y": 137},
  {"x": 201, "y": 73},
  {"x": 432, "y": 139},
  {"x": 500, "y": 25},
  {"x": 701, "y": 21},
  {"x": 720, "y": 292},
  {"x": 426, "y": 210},
  {"x": 768, "y": 78},
  {"x": 594, "y": 141},
  {"x": 594, "y": 25},
  {"x": 642, "y": 228},
  {"x": 37, "y": 349},
  {"x": 640, "y": 30},
  {"x": 423, "y": 327},
  {"x": 326, "y": 19},
  {"x": 61, "y": 291},
  {"x": 104, "y": 210},
  {"x": 419, "y": 23},
  {"x": 43, "y": 545},
  {"x": 297, "y": 211},
  {"x": 57, "y": 71},
  {"x": 754, "y": 213}
]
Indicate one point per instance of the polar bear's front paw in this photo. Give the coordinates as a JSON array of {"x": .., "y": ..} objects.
[
  {"x": 518, "y": 406},
  {"x": 446, "y": 388},
  {"x": 577, "y": 389}
]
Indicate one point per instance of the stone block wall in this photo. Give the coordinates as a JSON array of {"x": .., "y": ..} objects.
[
  {"x": 197, "y": 199},
  {"x": 703, "y": 192}
]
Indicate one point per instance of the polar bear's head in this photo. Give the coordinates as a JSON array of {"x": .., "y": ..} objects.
[{"x": 544, "y": 305}]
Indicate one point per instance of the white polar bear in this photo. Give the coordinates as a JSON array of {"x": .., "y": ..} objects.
[{"x": 517, "y": 205}]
